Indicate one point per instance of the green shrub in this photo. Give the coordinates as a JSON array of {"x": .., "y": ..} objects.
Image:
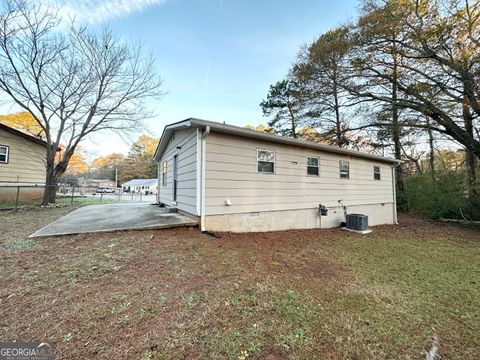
[{"x": 445, "y": 197}]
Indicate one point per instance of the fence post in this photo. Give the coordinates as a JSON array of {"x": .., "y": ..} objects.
[
  {"x": 141, "y": 196},
  {"x": 16, "y": 197},
  {"x": 73, "y": 192},
  {"x": 101, "y": 196}
]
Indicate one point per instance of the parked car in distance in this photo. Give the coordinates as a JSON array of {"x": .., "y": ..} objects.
[{"x": 105, "y": 190}]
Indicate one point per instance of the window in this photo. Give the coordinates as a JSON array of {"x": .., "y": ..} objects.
[
  {"x": 266, "y": 161},
  {"x": 3, "y": 154},
  {"x": 376, "y": 173},
  {"x": 313, "y": 164},
  {"x": 344, "y": 169},
  {"x": 164, "y": 173}
]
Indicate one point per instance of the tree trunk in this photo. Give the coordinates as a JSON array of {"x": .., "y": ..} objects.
[
  {"x": 471, "y": 157},
  {"x": 338, "y": 124},
  {"x": 431, "y": 159},
  {"x": 471, "y": 161},
  {"x": 54, "y": 170},
  {"x": 396, "y": 130},
  {"x": 293, "y": 122},
  {"x": 294, "y": 129},
  {"x": 50, "y": 184}
]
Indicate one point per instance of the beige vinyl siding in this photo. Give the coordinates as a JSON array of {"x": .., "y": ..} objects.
[
  {"x": 231, "y": 173},
  {"x": 187, "y": 170},
  {"x": 26, "y": 161}
]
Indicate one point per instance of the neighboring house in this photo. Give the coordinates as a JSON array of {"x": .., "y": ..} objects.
[
  {"x": 22, "y": 163},
  {"x": 237, "y": 179},
  {"x": 141, "y": 185}
]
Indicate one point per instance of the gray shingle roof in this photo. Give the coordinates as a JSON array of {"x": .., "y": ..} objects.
[{"x": 249, "y": 133}]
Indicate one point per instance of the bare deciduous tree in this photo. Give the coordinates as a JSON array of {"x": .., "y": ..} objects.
[{"x": 73, "y": 82}]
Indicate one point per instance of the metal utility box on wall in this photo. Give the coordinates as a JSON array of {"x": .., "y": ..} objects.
[
  {"x": 322, "y": 210},
  {"x": 357, "y": 222}
]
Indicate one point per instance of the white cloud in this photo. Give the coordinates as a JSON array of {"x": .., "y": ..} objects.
[{"x": 96, "y": 11}]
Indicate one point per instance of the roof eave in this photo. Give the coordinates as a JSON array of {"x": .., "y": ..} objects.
[
  {"x": 162, "y": 144},
  {"x": 295, "y": 142},
  {"x": 23, "y": 135},
  {"x": 245, "y": 132}
]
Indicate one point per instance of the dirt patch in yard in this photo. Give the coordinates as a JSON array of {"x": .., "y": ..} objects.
[{"x": 177, "y": 293}]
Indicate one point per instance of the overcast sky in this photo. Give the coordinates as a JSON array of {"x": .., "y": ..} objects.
[{"x": 217, "y": 58}]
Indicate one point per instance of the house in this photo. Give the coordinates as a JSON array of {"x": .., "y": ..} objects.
[
  {"x": 141, "y": 185},
  {"x": 22, "y": 163},
  {"x": 240, "y": 180}
]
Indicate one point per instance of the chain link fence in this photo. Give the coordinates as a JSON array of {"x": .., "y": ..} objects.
[{"x": 14, "y": 197}]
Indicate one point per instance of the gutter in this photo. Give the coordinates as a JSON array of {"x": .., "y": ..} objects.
[
  {"x": 249, "y": 133},
  {"x": 202, "y": 187}
]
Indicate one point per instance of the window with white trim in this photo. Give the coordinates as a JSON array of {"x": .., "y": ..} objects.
[
  {"x": 266, "y": 161},
  {"x": 164, "y": 173},
  {"x": 376, "y": 173},
  {"x": 313, "y": 166},
  {"x": 344, "y": 167},
  {"x": 4, "y": 154}
]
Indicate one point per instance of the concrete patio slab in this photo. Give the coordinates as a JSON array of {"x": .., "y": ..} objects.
[{"x": 114, "y": 217}]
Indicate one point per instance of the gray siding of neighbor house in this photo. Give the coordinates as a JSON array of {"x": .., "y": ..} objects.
[
  {"x": 26, "y": 163},
  {"x": 186, "y": 139},
  {"x": 289, "y": 198}
]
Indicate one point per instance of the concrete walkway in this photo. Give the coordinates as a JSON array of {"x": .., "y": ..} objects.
[{"x": 114, "y": 217}]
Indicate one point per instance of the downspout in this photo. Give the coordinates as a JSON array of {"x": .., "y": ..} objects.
[
  {"x": 204, "y": 152},
  {"x": 394, "y": 191},
  {"x": 159, "y": 181},
  {"x": 198, "y": 176}
]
